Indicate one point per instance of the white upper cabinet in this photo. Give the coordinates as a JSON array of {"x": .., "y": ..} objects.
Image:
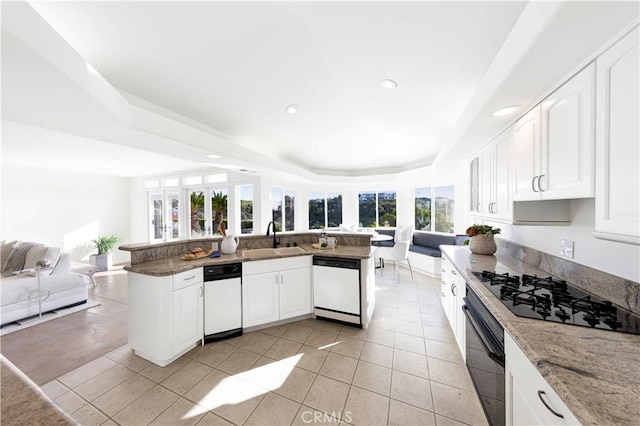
[
  {"x": 554, "y": 144},
  {"x": 618, "y": 142},
  {"x": 490, "y": 179}
]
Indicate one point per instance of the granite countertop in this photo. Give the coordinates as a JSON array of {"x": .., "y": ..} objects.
[
  {"x": 23, "y": 403},
  {"x": 595, "y": 372},
  {"x": 175, "y": 264}
]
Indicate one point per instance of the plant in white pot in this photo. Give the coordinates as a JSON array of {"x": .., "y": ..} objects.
[
  {"x": 104, "y": 244},
  {"x": 482, "y": 241}
]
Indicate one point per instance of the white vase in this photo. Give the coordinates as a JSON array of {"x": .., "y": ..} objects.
[
  {"x": 229, "y": 244},
  {"x": 482, "y": 244}
]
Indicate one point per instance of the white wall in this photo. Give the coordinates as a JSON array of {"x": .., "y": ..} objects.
[
  {"x": 615, "y": 258},
  {"x": 64, "y": 209}
]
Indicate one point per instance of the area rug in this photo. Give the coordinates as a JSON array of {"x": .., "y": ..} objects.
[{"x": 49, "y": 316}]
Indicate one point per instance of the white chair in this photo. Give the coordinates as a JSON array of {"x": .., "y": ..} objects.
[
  {"x": 400, "y": 250},
  {"x": 401, "y": 253}
]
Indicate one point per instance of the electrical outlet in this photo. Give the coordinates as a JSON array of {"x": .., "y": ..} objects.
[{"x": 566, "y": 248}]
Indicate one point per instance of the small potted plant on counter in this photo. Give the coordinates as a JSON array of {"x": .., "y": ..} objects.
[
  {"x": 104, "y": 244},
  {"x": 482, "y": 241}
]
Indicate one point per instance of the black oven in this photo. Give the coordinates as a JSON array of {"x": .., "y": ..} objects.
[{"x": 485, "y": 357}]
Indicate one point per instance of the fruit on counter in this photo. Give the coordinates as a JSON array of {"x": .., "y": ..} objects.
[
  {"x": 197, "y": 250},
  {"x": 189, "y": 256}
]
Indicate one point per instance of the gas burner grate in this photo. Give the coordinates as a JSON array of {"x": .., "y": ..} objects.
[{"x": 552, "y": 299}]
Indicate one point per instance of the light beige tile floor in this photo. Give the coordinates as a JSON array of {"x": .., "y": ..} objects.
[{"x": 405, "y": 369}]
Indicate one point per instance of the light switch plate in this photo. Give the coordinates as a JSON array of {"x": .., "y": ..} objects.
[{"x": 566, "y": 248}]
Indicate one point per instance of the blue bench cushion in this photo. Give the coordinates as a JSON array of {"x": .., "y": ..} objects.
[
  {"x": 389, "y": 243},
  {"x": 427, "y": 251},
  {"x": 428, "y": 243}
]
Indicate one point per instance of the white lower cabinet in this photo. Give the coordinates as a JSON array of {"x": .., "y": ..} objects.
[
  {"x": 187, "y": 317},
  {"x": 165, "y": 314},
  {"x": 454, "y": 289},
  {"x": 530, "y": 400},
  {"x": 275, "y": 289}
]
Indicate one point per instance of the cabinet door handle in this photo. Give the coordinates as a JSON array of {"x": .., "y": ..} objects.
[
  {"x": 201, "y": 292},
  {"x": 478, "y": 207},
  {"x": 555, "y": 413},
  {"x": 454, "y": 272},
  {"x": 540, "y": 183},
  {"x": 190, "y": 278},
  {"x": 533, "y": 183},
  {"x": 453, "y": 289}
]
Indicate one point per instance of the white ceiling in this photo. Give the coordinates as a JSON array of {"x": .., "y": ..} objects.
[{"x": 232, "y": 68}]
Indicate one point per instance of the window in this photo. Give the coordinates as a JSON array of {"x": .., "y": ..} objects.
[
  {"x": 218, "y": 211},
  {"x": 246, "y": 209},
  {"x": 196, "y": 211},
  {"x": 207, "y": 212},
  {"x": 325, "y": 209},
  {"x": 387, "y": 208},
  {"x": 377, "y": 209},
  {"x": 440, "y": 217},
  {"x": 282, "y": 209},
  {"x": 443, "y": 198},
  {"x": 423, "y": 209}
]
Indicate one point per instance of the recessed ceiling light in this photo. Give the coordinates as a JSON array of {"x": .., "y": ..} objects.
[
  {"x": 213, "y": 156},
  {"x": 291, "y": 109},
  {"x": 508, "y": 110},
  {"x": 388, "y": 84}
]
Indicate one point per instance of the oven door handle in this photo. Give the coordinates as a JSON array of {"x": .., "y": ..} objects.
[{"x": 493, "y": 355}]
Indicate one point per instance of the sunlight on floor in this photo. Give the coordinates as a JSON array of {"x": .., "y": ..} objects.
[{"x": 241, "y": 387}]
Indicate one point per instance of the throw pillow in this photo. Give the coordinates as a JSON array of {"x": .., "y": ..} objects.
[
  {"x": 7, "y": 248},
  {"x": 52, "y": 254}
]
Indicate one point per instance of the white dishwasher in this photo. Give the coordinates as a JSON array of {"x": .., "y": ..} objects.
[
  {"x": 336, "y": 289},
  {"x": 222, "y": 301}
]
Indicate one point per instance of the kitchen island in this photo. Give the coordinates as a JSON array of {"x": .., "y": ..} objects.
[
  {"x": 167, "y": 295},
  {"x": 595, "y": 372}
]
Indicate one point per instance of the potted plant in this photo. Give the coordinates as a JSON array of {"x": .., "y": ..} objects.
[
  {"x": 482, "y": 241},
  {"x": 103, "y": 261}
]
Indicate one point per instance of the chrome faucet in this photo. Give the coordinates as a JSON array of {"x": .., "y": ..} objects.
[{"x": 273, "y": 227}]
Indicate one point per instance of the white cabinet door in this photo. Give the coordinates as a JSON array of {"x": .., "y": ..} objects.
[
  {"x": 486, "y": 180},
  {"x": 260, "y": 299},
  {"x": 502, "y": 188},
  {"x": 526, "y": 153},
  {"x": 490, "y": 179},
  {"x": 187, "y": 317},
  {"x": 568, "y": 139},
  {"x": 618, "y": 142},
  {"x": 529, "y": 398},
  {"x": 553, "y": 144},
  {"x": 448, "y": 299},
  {"x": 295, "y": 293}
]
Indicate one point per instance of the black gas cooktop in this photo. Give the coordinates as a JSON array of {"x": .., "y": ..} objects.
[{"x": 551, "y": 299}]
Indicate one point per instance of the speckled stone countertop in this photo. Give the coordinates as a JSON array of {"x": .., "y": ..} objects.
[
  {"x": 175, "y": 264},
  {"x": 595, "y": 372},
  {"x": 23, "y": 403}
]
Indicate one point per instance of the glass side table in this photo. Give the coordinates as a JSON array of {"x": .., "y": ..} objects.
[{"x": 39, "y": 295}]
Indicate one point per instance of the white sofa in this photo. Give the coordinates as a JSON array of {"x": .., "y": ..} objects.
[{"x": 18, "y": 293}]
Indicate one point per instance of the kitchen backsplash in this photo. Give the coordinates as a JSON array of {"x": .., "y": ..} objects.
[
  {"x": 620, "y": 291},
  {"x": 154, "y": 251}
]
